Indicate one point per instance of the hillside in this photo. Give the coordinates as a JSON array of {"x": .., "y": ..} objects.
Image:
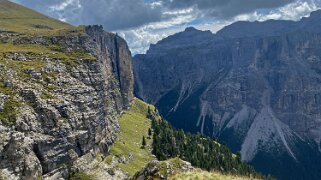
[
  {"x": 127, "y": 154},
  {"x": 19, "y": 19},
  {"x": 202, "y": 152},
  {"x": 207, "y": 175},
  {"x": 177, "y": 169}
]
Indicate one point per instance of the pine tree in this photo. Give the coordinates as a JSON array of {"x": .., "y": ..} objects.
[
  {"x": 149, "y": 111},
  {"x": 143, "y": 142},
  {"x": 149, "y": 132}
]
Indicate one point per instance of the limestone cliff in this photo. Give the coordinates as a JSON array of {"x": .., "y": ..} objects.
[
  {"x": 61, "y": 94},
  {"x": 253, "y": 85}
]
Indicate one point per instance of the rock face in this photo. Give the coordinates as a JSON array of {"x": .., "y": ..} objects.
[
  {"x": 163, "y": 169},
  {"x": 255, "y": 86},
  {"x": 67, "y": 99}
]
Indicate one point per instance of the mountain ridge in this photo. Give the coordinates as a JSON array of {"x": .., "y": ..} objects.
[
  {"x": 258, "y": 92},
  {"x": 236, "y": 29}
]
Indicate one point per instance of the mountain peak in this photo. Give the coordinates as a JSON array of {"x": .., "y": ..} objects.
[
  {"x": 191, "y": 29},
  {"x": 243, "y": 29},
  {"x": 189, "y": 37},
  {"x": 316, "y": 13}
]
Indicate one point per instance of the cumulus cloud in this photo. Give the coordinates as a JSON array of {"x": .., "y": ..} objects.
[
  {"x": 294, "y": 11},
  {"x": 112, "y": 14},
  {"x": 143, "y": 22},
  {"x": 140, "y": 38},
  {"x": 224, "y": 9},
  {"x": 127, "y": 14}
]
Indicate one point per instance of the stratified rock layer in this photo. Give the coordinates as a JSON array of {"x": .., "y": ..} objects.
[
  {"x": 67, "y": 108},
  {"x": 255, "y": 86}
]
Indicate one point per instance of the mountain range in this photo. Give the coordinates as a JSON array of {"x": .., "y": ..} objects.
[
  {"x": 255, "y": 86},
  {"x": 67, "y": 110},
  {"x": 241, "y": 103}
]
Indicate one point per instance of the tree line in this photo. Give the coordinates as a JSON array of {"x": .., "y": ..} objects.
[{"x": 200, "y": 151}]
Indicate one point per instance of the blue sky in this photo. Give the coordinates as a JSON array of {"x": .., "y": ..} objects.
[{"x": 142, "y": 22}]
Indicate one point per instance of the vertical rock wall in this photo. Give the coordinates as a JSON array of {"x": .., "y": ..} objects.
[{"x": 67, "y": 108}]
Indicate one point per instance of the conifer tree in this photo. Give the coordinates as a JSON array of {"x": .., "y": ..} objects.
[
  {"x": 149, "y": 111},
  {"x": 143, "y": 142},
  {"x": 149, "y": 132}
]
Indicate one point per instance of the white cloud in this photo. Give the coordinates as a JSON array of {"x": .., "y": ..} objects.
[
  {"x": 143, "y": 22},
  {"x": 139, "y": 39},
  {"x": 112, "y": 14},
  {"x": 294, "y": 11},
  {"x": 63, "y": 5}
]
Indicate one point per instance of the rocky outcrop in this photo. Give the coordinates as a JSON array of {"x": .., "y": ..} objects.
[
  {"x": 255, "y": 86},
  {"x": 66, "y": 93},
  {"x": 96, "y": 169},
  {"x": 163, "y": 169}
]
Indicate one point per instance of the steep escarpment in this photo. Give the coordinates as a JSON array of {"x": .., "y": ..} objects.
[
  {"x": 255, "y": 86},
  {"x": 61, "y": 93}
]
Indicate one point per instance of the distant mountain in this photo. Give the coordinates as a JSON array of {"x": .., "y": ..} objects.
[
  {"x": 243, "y": 29},
  {"x": 256, "y": 86}
]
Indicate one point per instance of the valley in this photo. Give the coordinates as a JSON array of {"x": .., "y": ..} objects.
[
  {"x": 78, "y": 103},
  {"x": 255, "y": 86}
]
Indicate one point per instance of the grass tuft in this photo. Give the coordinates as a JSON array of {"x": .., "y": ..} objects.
[
  {"x": 8, "y": 115},
  {"x": 80, "y": 176}
]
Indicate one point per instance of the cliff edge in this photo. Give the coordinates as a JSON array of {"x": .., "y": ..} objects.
[{"x": 61, "y": 93}]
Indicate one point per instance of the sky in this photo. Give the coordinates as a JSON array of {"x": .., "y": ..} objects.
[{"x": 144, "y": 22}]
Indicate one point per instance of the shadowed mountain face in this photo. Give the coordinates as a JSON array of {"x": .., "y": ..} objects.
[{"x": 254, "y": 85}]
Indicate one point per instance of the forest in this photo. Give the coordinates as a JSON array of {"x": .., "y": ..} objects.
[{"x": 202, "y": 152}]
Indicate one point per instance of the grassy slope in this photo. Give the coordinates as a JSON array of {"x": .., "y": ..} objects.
[
  {"x": 133, "y": 126},
  {"x": 20, "y": 19},
  {"x": 200, "y": 175}
]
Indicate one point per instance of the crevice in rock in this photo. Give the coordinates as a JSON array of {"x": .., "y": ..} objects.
[
  {"x": 37, "y": 152},
  {"x": 117, "y": 69},
  {"x": 78, "y": 149}
]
